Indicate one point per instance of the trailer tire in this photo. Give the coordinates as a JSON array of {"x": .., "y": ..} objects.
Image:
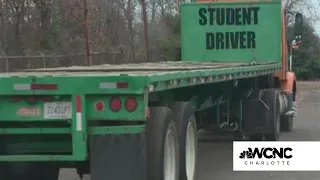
[
  {"x": 188, "y": 140},
  {"x": 287, "y": 123},
  {"x": 162, "y": 141},
  {"x": 256, "y": 137},
  {"x": 271, "y": 98}
]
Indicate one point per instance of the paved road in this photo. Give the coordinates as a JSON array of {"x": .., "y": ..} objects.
[{"x": 216, "y": 156}]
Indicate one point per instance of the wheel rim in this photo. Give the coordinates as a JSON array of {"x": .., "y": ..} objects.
[
  {"x": 278, "y": 128},
  {"x": 190, "y": 152},
  {"x": 170, "y": 157}
]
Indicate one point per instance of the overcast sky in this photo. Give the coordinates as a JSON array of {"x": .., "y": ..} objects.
[{"x": 317, "y": 24}]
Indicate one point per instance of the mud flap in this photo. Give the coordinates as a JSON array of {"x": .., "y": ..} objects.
[
  {"x": 255, "y": 114},
  {"x": 118, "y": 157}
]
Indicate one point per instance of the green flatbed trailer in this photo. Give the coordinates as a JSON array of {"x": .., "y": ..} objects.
[{"x": 140, "y": 121}]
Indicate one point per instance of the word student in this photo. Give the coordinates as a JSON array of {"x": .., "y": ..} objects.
[
  {"x": 225, "y": 17},
  {"x": 228, "y": 16}
]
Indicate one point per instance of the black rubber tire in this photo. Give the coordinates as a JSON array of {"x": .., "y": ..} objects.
[
  {"x": 271, "y": 98},
  {"x": 256, "y": 137},
  {"x": 184, "y": 116},
  {"x": 161, "y": 121},
  {"x": 287, "y": 124}
]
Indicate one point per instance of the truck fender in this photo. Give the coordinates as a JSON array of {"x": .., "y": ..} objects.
[{"x": 288, "y": 85}]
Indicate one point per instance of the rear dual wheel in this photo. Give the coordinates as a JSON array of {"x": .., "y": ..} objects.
[
  {"x": 172, "y": 143},
  {"x": 163, "y": 145},
  {"x": 188, "y": 140}
]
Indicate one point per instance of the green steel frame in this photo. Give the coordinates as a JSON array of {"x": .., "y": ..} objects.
[{"x": 155, "y": 83}]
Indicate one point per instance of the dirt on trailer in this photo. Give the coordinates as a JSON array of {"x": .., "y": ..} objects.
[
  {"x": 129, "y": 69},
  {"x": 159, "y": 66}
]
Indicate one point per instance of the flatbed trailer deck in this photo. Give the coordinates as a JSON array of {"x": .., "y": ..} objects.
[
  {"x": 158, "y": 76},
  {"x": 156, "y": 66}
]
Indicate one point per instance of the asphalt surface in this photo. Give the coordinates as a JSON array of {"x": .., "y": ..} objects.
[{"x": 215, "y": 155}]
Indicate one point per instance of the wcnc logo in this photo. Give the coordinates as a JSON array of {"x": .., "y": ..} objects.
[{"x": 267, "y": 153}]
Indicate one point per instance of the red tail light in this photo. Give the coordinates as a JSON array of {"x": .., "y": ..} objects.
[
  {"x": 131, "y": 104},
  {"x": 99, "y": 106},
  {"x": 115, "y": 104}
]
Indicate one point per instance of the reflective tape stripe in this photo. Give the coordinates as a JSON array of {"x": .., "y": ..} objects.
[
  {"x": 108, "y": 85},
  {"x": 35, "y": 86},
  {"x": 113, "y": 85},
  {"x": 78, "y": 113},
  {"x": 78, "y": 104},
  {"x": 79, "y": 121},
  {"x": 22, "y": 86}
]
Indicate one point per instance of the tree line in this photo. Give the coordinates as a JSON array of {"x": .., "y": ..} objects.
[{"x": 28, "y": 27}]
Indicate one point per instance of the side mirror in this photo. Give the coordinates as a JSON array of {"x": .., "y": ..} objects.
[{"x": 298, "y": 27}]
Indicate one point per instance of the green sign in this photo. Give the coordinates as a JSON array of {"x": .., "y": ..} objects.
[{"x": 232, "y": 31}]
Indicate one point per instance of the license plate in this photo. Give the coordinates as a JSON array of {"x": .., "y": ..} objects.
[{"x": 57, "y": 110}]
